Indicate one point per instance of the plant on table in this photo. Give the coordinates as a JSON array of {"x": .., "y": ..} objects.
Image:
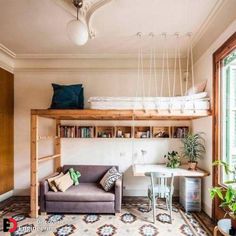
[
  {"x": 226, "y": 195},
  {"x": 173, "y": 159},
  {"x": 193, "y": 149}
]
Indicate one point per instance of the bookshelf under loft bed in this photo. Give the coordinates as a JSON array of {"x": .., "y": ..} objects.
[{"x": 97, "y": 132}]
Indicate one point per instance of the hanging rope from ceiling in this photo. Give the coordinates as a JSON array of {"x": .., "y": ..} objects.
[{"x": 148, "y": 87}]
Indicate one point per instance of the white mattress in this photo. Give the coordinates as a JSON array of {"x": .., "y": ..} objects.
[{"x": 194, "y": 102}]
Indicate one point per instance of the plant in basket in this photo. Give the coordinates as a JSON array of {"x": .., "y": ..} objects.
[{"x": 193, "y": 149}]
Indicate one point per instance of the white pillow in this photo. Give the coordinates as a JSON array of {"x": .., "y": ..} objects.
[{"x": 198, "y": 88}]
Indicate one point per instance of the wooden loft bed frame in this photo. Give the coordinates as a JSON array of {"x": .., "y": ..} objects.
[
  {"x": 86, "y": 114},
  {"x": 91, "y": 114}
]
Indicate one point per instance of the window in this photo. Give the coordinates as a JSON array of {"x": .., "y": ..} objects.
[
  {"x": 224, "y": 114},
  {"x": 228, "y": 112}
]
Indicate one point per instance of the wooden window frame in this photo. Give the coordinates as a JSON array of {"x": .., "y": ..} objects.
[{"x": 228, "y": 47}]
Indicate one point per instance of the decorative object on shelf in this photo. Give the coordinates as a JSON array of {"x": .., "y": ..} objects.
[
  {"x": 226, "y": 195},
  {"x": 67, "y": 96},
  {"x": 173, "y": 159},
  {"x": 143, "y": 132},
  {"x": 127, "y": 135},
  {"x": 104, "y": 132},
  {"x": 123, "y": 131},
  {"x": 77, "y": 29},
  {"x": 193, "y": 149},
  {"x": 161, "y": 132}
]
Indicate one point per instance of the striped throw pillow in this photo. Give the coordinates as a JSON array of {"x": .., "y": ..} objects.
[{"x": 109, "y": 179}]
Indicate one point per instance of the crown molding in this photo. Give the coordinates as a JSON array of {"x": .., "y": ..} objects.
[
  {"x": 89, "y": 56},
  {"x": 75, "y": 56},
  {"x": 7, "y": 51},
  {"x": 85, "y": 13},
  {"x": 208, "y": 21},
  {"x": 7, "y": 58}
]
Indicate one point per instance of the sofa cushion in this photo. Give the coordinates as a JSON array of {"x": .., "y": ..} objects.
[
  {"x": 51, "y": 182},
  {"x": 64, "y": 182},
  {"x": 88, "y": 192}
]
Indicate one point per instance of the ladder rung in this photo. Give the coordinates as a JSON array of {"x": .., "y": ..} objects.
[
  {"x": 46, "y": 158},
  {"x": 46, "y": 137}
]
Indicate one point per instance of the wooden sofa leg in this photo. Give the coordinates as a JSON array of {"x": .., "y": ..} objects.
[{"x": 43, "y": 213}]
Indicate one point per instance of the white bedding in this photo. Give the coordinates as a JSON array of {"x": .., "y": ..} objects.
[{"x": 198, "y": 101}]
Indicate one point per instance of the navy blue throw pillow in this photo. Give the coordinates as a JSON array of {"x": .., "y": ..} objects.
[{"x": 67, "y": 96}]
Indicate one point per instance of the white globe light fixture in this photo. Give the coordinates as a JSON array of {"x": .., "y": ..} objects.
[{"x": 77, "y": 30}]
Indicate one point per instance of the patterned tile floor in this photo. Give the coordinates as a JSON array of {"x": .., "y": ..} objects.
[{"x": 135, "y": 219}]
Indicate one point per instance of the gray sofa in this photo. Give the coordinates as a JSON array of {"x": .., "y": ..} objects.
[{"x": 87, "y": 197}]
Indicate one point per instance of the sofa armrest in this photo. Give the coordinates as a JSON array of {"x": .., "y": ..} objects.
[
  {"x": 118, "y": 194},
  {"x": 44, "y": 188}
]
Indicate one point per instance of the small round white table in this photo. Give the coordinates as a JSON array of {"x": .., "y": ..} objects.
[{"x": 223, "y": 226}]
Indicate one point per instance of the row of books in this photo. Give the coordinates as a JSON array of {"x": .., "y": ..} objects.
[
  {"x": 181, "y": 132},
  {"x": 75, "y": 132}
]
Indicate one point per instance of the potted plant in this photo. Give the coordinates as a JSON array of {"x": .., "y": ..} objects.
[
  {"x": 227, "y": 195},
  {"x": 193, "y": 149},
  {"x": 173, "y": 159}
]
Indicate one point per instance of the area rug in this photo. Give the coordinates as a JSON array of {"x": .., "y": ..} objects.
[{"x": 135, "y": 219}]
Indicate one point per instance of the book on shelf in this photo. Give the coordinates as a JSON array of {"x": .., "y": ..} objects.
[
  {"x": 66, "y": 131},
  {"x": 181, "y": 132}
]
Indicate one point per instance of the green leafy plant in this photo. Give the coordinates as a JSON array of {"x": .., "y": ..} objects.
[
  {"x": 173, "y": 159},
  {"x": 227, "y": 170},
  {"x": 194, "y": 146},
  {"x": 227, "y": 196}
]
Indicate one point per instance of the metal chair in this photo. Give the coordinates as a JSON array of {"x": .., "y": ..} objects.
[{"x": 162, "y": 185}]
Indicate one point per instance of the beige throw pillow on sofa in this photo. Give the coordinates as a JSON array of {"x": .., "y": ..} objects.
[
  {"x": 51, "y": 182},
  {"x": 109, "y": 179},
  {"x": 64, "y": 182}
]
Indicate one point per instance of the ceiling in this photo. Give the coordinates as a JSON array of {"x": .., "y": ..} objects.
[{"x": 39, "y": 27}]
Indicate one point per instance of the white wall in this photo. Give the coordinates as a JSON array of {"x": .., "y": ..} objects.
[
  {"x": 204, "y": 70},
  {"x": 33, "y": 90}
]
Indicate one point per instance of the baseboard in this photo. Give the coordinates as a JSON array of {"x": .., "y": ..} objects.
[
  {"x": 21, "y": 192},
  {"x": 207, "y": 209},
  {"x": 6, "y": 195}
]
